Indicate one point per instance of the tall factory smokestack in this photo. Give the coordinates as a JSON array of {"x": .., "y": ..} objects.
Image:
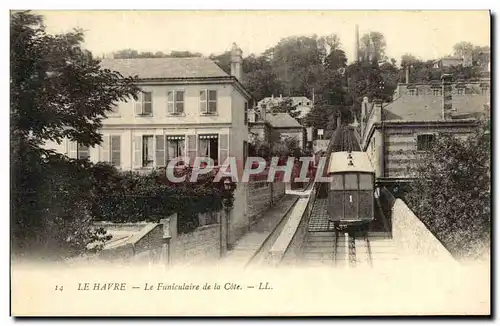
[
  {"x": 447, "y": 97},
  {"x": 356, "y": 49},
  {"x": 407, "y": 74}
]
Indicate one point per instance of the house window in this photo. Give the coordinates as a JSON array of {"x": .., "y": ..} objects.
[
  {"x": 208, "y": 101},
  {"x": 460, "y": 91},
  {"x": 168, "y": 148},
  {"x": 412, "y": 92},
  {"x": 424, "y": 142},
  {"x": 147, "y": 151},
  {"x": 83, "y": 152},
  {"x": 111, "y": 149},
  {"x": 175, "y": 147},
  {"x": 365, "y": 181},
  {"x": 485, "y": 90},
  {"x": 437, "y": 91},
  {"x": 246, "y": 113},
  {"x": 351, "y": 182},
  {"x": 115, "y": 150},
  {"x": 308, "y": 103},
  {"x": 208, "y": 146},
  {"x": 144, "y": 104},
  {"x": 175, "y": 102}
]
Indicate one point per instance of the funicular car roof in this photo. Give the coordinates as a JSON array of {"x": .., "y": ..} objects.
[{"x": 339, "y": 163}]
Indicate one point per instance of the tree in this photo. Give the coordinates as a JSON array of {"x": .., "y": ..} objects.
[
  {"x": 452, "y": 192},
  {"x": 259, "y": 77},
  {"x": 58, "y": 91},
  {"x": 298, "y": 63},
  {"x": 373, "y": 43},
  {"x": 132, "y": 54},
  {"x": 285, "y": 106}
]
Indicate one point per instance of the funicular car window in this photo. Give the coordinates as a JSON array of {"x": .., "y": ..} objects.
[
  {"x": 365, "y": 182},
  {"x": 337, "y": 182},
  {"x": 351, "y": 181}
]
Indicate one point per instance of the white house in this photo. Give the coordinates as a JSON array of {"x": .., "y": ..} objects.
[{"x": 188, "y": 107}]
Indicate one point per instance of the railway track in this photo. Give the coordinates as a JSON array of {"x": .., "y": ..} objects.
[{"x": 324, "y": 245}]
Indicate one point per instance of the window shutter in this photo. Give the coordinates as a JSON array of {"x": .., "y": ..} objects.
[
  {"x": 72, "y": 149},
  {"x": 137, "y": 151},
  {"x": 203, "y": 101},
  {"x": 223, "y": 148},
  {"x": 212, "y": 101},
  {"x": 115, "y": 150},
  {"x": 104, "y": 156},
  {"x": 138, "y": 104},
  {"x": 170, "y": 102},
  {"x": 160, "y": 150},
  {"x": 179, "y": 102},
  {"x": 147, "y": 103},
  {"x": 245, "y": 117},
  {"x": 191, "y": 148}
]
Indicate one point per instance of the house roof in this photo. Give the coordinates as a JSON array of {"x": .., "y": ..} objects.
[
  {"x": 430, "y": 108},
  {"x": 282, "y": 120},
  {"x": 149, "y": 68}
]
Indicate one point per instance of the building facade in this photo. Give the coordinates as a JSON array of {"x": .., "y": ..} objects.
[
  {"x": 394, "y": 133},
  {"x": 187, "y": 107}
]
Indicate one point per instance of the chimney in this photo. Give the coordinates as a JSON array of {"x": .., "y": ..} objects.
[
  {"x": 447, "y": 97},
  {"x": 377, "y": 107},
  {"x": 407, "y": 74},
  {"x": 356, "y": 49},
  {"x": 236, "y": 61}
]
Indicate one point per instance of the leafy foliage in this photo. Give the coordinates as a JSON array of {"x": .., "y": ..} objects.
[
  {"x": 452, "y": 195},
  {"x": 374, "y": 44},
  {"x": 58, "y": 91},
  {"x": 132, "y": 197},
  {"x": 285, "y": 106}
]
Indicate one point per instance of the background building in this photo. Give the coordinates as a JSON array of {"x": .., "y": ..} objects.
[{"x": 393, "y": 133}]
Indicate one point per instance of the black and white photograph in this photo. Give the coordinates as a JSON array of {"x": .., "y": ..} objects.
[{"x": 250, "y": 163}]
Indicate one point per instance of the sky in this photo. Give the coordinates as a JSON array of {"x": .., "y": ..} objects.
[{"x": 425, "y": 34}]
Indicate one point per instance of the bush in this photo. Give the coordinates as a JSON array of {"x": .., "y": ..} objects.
[
  {"x": 452, "y": 193},
  {"x": 131, "y": 197},
  {"x": 56, "y": 201}
]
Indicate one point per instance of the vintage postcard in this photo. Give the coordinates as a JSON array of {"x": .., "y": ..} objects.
[{"x": 250, "y": 163}]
